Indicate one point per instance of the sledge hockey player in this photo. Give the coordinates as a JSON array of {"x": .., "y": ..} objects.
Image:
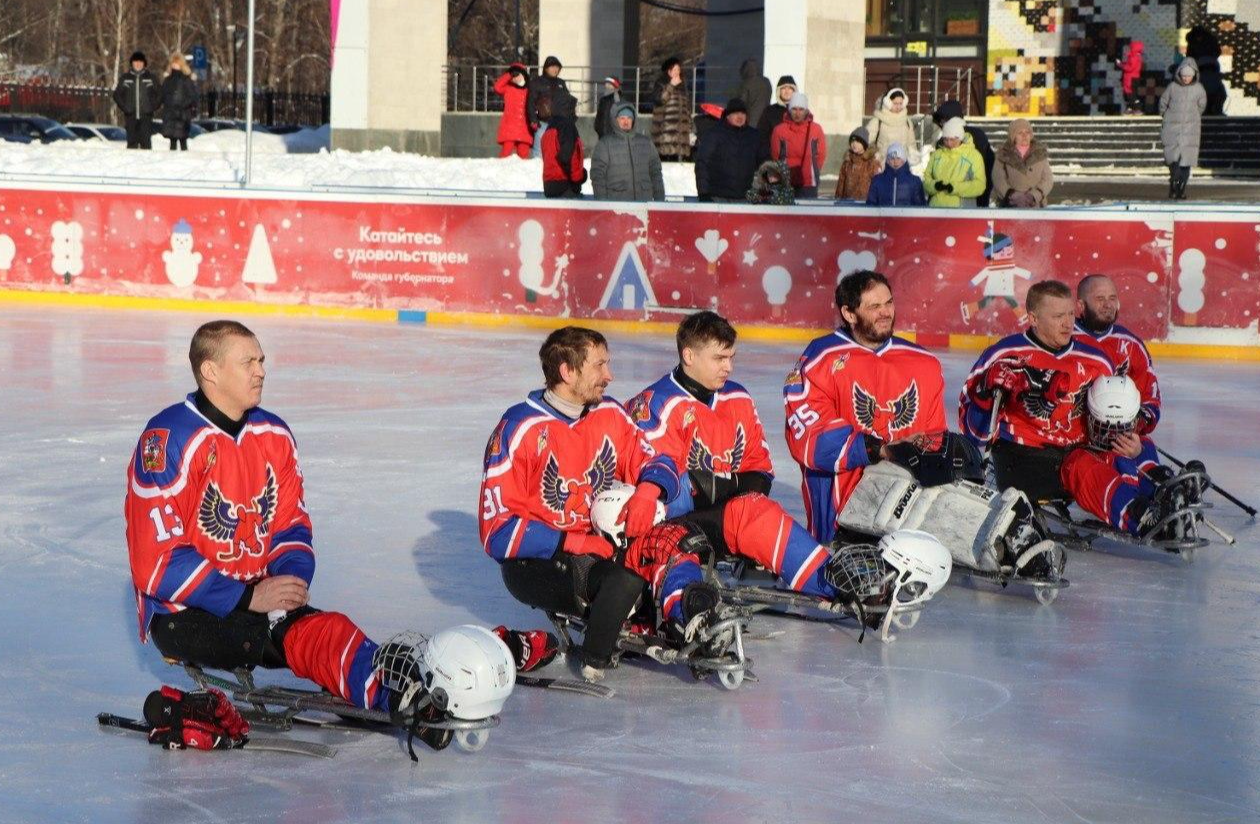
[
  {"x": 866, "y": 423},
  {"x": 545, "y": 463},
  {"x": 708, "y": 425},
  {"x": 1043, "y": 377},
  {"x": 221, "y": 554},
  {"x": 1097, "y": 312}
]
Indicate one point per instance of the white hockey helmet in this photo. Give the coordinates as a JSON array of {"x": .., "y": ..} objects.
[
  {"x": 607, "y": 507},
  {"x": 1113, "y": 402},
  {"x": 468, "y": 671},
  {"x": 923, "y": 565}
]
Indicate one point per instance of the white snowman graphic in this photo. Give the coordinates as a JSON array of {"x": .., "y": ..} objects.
[
  {"x": 8, "y": 249},
  {"x": 181, "y": 261},
  {"x": 67, "y": 249}
]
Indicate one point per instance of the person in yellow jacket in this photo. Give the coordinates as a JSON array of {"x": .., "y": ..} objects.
[{"x": 955, "y": 172}]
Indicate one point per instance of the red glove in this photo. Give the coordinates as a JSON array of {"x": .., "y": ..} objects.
[
  {"x": 1007, "y": 375},
  {"x": 1058, "y": 386},
  {"x": 639, "y": 513},
  {"x": 583, "y": 543},
  {"x": 203, "y": 720},
  {"x": 1145, "y": 422}
]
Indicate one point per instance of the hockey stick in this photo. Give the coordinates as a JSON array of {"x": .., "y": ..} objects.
[
  {"x": 566, "y": 685},
  {"x": 253, "y": 742},
  {"x": 994, "y": 414},
  {"x": 1249, "y": 510}
]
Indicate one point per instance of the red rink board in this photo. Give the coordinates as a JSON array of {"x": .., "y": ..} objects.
[{"x": 769, "y": 266}]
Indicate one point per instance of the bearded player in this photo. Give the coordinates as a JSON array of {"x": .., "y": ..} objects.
[
  {"x": 1097, "y": 312},
  {"x": 866, "y": 423},
  {"x": 220, "y": 541},
  {"x": 545, "y": 463}
]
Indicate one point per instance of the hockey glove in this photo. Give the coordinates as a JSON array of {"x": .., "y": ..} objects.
[
  {"x": 1007, "y": 375},
  {"x": 203, "y": 720},
  {"x": 531, "y": 649},
  {"x": 874, "y": 447},
  {"x": 1050, "y": 384},
  {"x": 582, "y": 543},
  {"x": 1145, "y": 422},
  {"x": 639, "y": 513}
]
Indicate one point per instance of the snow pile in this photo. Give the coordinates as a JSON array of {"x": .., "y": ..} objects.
[{"x": 296, "y": 161}]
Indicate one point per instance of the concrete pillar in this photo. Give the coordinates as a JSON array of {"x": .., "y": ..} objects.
[
  {"x": 820, "y": 43},
  {"x": 386, "y": 86},
  {"x": 728, "y": 42},
  {"x": 587, "y": 36}
]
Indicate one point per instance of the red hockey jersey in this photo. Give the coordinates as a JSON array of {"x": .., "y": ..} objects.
[
  {"x": 1129, "y": 356},
  {"x": 208, "y": 514},
  {"x": 724, "y": 436},
  {"x": 1033, "y": 419},
  {"x": 840, "y": 390},
  {"x": 543, "y": 470}
]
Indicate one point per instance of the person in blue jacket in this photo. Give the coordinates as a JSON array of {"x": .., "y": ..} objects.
[{"x": 896, "y": 185}]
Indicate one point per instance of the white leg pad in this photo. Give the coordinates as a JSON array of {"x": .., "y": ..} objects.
[{"x": 967, "y": 518}]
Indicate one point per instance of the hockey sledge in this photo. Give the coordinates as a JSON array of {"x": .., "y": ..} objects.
[
  {"x": 717, "y": 649},
  {"x": 283, "y": 707}
]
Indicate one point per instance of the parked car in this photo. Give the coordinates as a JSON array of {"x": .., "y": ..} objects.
[
  {"x": 214, "y": 124},
  {"x": 43, "y": 129},
  {"x": 193, "y": 129},
  {"x": 98, "y": 131}
]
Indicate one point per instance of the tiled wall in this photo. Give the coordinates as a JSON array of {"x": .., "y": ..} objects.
[{"x": 1237, "y": 26}]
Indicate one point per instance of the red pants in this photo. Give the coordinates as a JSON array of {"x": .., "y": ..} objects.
[
  {"x": 327, "y": 648},
  {"x": 509, "y": 148},
  {"x": 1106, "y": 485}
]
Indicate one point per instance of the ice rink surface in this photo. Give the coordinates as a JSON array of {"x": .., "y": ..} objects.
[{"x": 1134, "y": 697}]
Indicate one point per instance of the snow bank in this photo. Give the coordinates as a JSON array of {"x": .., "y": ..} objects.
[{"x": 300, "y": 161}]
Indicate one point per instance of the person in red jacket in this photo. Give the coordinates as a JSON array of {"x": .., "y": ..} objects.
[
  {"x": 563, "y": 172},
  {"x": 800, "y": 142},
  {"x": 515, "y": 136},
  {"x": 1131, "y": 70}
]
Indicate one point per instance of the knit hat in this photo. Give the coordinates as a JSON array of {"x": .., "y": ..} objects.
[
  {"x": 1186, "y": 69},
  {"x": 552, "y": 60},
  {"x": 139, "y": 56},
  {"x": 799, "y": 101},
  {"x": 785, "y": 80},
  {"x": 628, "y": 108},
  {"x": 614, "y": 82},
  {"x": 896, "y": 150},
  {"x": 734, "y": 106},
  {"x": 954, "y": 127},
  {"x": 861, "y": 135},
  {"x": 1020, "y": 125}
]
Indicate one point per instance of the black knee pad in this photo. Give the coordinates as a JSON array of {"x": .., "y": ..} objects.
[
  {"x": 549, "y": 584},
  {"x": 1032, "y": 470},
  {"x": 194, "y": 636},
  {"x": 709, "y": 520}
]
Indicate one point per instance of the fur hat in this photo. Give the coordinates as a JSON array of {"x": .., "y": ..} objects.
[
  {"x": 954, "y": 127},
  {"x": 799, "y": 101}
]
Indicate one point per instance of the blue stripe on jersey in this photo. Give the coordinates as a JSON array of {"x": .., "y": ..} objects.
[
  {"x": 822, "y": 512},
  {"x": 676, "y": 580},
  {"x": 844, "y": 441},
  {"x": 539, "y": 540},
  {"x": 296, "y": 560},
  {"x": 660, "y": 470},
  {"x": 217, "y": 593},
  {"x": 361, "y": 669}
]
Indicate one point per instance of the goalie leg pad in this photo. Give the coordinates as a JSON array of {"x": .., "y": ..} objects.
[{"x": 967, "y": 518}]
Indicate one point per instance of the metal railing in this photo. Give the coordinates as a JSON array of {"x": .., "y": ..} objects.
[
  {"x": 96, "y": 104},
  {"x": 470, "y": 88}
]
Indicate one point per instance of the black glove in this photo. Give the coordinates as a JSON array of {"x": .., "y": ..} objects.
[
  {"x": 709, "y": 488},
  {"x": 940, "y": 185},
  {"x": 948, "y": 187},
  {"x": 873, "y": 446}
]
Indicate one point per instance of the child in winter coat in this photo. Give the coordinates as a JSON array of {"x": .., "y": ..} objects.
[
  {"x": 896, "y": 185},
  {"x": 859, "y": 166},
  {"x": 1130, "y": 70},
  {"x": 955, "y": 171},
  {"x": 563, "y": 170},
  {"x": 771, "y": 186},
  {"x": 515, "y": 137}
]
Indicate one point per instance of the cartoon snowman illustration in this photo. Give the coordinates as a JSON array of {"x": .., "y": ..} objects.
[
  {"x": 67, "y": 249},
  {"x": 181, "y": 261},
  {"x": 998, "y": 277}
]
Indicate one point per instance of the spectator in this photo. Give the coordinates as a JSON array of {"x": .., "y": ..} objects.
[
  {"x": 138, "y": 95},
  {"x": 710, "y": 115},
  {"x": 1130, "y": 70},
  {"x": 671, "y": 116},
  {"x": 955, "y": 171},
  {"x": 896, "y": 185},
  {"x": 625, "y": 165},
  {"x": 727, "y": 156},
  {"x": 548, "y": 84},
  {"x": 1205, "y": 48},
  {"x": 891, "y": 124},
  {"x": 774, "y": 113},
  {"x": 951, "y": 109},
  {"x": 1021, "y": 173},
  {"x": 179, "y": 102},
  {"x": 603, "y": 113},
  {"x": 800, "y": 142},
  {"x": 563, "y": 171},
  {"x": 754, "y": 89},
  {"x": 515, "y": 137},
  {"x": 771, "y": 186},
  {"x": 1182, "y": 107},
  {"x": 859, "y": 166}
]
